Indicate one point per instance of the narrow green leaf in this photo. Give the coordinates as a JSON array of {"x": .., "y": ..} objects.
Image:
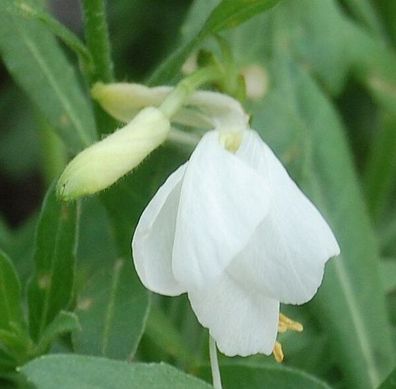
[
  {"x": 388, "y": 274},
  {"x": 51, "y": 287},
  {"x": 73, "y": 371},
  {"x": 365, "y": 12},
  {"x": 164, "y": 334},
  {"x": 34, "y": 58},
  {"x": 380, "y": 170},
  {"x": 7, "y": 363},
  {"x": 390, "y": 382},
  {"x": 11, "y": 313},
  {"x": 112, "y": 310},
  {"x": 25, "y": 10},
  {"x": 63, "y": 323},
  {"x": 236, "y": 376},
  {"x": 229, "y": 13}
]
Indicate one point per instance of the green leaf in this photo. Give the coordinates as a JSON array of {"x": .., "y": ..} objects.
[
  {"x": 14, "y": 339},
  {"x": 236, "y": 376},
  {"x": 63, "y": 323},
  {"x": 51, "y": 287},
  {"x": 72, "y": 371},
  {"x": 34, "y": 58},
  {"x": 25, "y": 10},
  {"x": 11, "y": 313},
  {"x": 161, "y": 330},
  {"x": 229, "y": 13},
  {"x": 7, "y": 363},
  {"x": 390, "y": 382},
  {"x": 365, "y": 12},
  {"x": 112, "y": 310},
  {"x": 388, "y": 274},
  {"x": 380, "y": 169}
]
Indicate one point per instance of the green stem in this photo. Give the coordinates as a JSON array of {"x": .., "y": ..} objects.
[
  {"x": 186, "y": 88},
  {"x": 97, "y": 39},
  {"x": 98, "y": 43}
]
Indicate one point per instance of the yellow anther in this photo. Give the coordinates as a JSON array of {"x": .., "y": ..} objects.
[
  {"x": 278, "y": 352},
  {"x": 286, "y": 324}
]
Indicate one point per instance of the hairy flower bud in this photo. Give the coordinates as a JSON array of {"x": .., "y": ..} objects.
[
  {"x": 124, "y": 100},
  {"x": 103, "y": 163}
]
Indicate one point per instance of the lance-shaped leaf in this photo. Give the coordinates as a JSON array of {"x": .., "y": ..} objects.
[
  {"x": 37, "y": 63},
  {"x": 51, "y": 287},
  {"x": 390, "y": 382},
  {"x": 76, "y": 371},
  {"x": 14, "y": 339},
  {"x": 11, "y": 313},
  {"x": 112, "y": 310}
]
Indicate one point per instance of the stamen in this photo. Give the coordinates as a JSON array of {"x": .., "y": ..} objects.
[
  {"x": 278, "y": 352},
  {"x": 286, "y": 324}
]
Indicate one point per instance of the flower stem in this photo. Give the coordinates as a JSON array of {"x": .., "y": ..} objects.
[
  {"x": 97, "y": 39},
  {"x": 186, "y": 87},
  {"x": 214, "y": 364}
]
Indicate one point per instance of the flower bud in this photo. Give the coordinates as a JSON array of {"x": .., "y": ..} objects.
[
  {"x": 124, "y": 100},
  {"x": 103, "y": 163}
]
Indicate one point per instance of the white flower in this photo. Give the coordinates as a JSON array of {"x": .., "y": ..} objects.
[{"x": 233, "y": 231}]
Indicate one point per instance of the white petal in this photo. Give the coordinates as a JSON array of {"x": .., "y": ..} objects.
[
  {"x": 286, "y": 255},
  {"x": 222, "y": 201},
  {"x": 153, "y": 239},
  {"x": 241, "y": 320}
]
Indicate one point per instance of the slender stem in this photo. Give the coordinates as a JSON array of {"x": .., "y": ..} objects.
[
  {"x": 214, "y": 364},
  {"x": 98, "y": 43},
  {"x": 186, "y": 87},
  {"x": 97, "y": 39}
]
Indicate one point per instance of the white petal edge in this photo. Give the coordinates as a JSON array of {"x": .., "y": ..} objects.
[
  {"x": 241, "y": 320},
  {"x": 152, "y": 243},
  {"x": 285, "y": 257},
  {"x": 222, "y": 202}
]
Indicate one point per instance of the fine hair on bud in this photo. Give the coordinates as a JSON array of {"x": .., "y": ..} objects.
[{"x": 100, "y": 165}]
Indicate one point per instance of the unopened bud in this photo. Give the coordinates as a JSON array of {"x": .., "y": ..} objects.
[
  {"x": 103, "y": 163},
  {"x": 124, "y": 100}
]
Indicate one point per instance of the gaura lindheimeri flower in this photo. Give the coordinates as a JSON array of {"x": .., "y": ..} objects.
[{"x": 232, "y": 230}]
